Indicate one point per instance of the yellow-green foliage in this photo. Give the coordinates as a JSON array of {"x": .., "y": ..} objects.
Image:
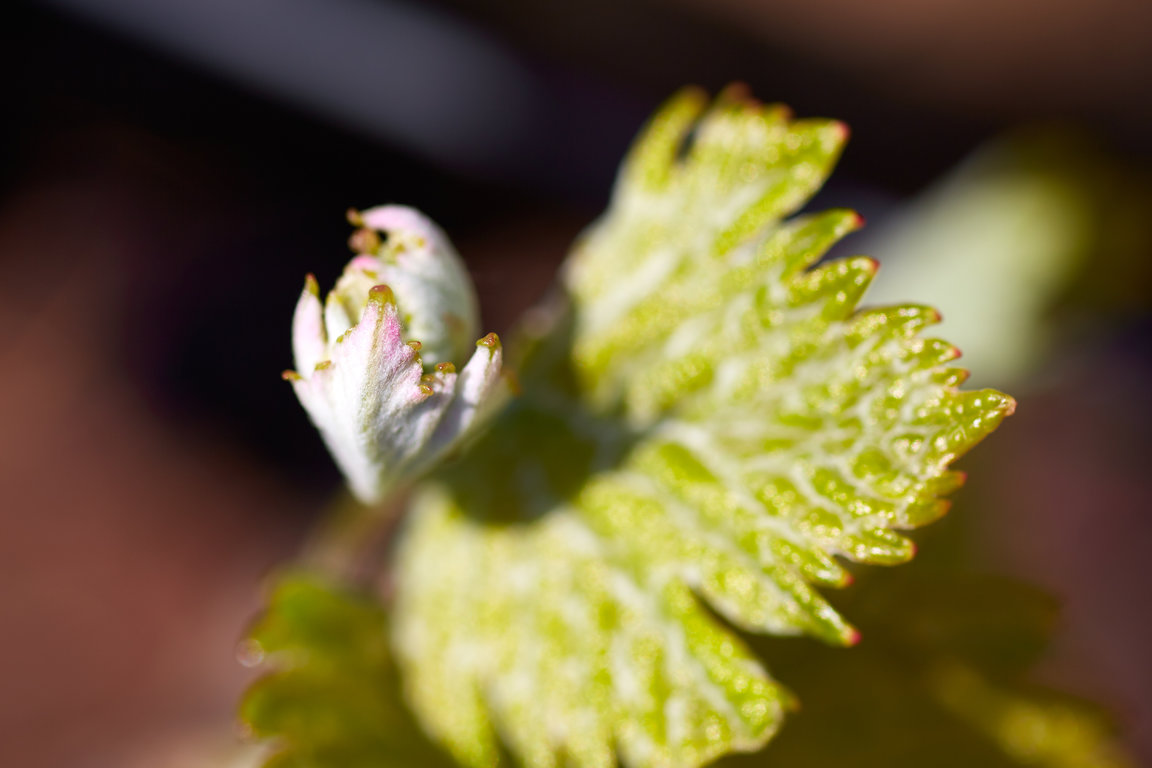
[{"x": 708, "y": 423}]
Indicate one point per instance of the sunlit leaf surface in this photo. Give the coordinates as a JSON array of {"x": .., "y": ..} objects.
[{"x": 707, "y": 428}]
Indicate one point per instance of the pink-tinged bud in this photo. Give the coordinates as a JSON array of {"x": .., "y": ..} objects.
[{"x": 360, "y": 356}]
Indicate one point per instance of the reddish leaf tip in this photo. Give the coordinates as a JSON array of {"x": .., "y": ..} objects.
[
  {"x": 310, "y": 284},
  {"x": 736, "y": 91},
  {"x": 382, "y": 294}
]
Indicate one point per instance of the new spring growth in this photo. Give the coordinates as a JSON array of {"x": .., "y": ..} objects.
[{"x": 376, "y": 362}]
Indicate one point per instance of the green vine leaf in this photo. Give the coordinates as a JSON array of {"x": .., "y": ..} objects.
[
  {"x": 332, "y": 698},
  {"x": 707, "y": 426}
]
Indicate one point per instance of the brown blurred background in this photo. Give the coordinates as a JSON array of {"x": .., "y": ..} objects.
[{"x": 173, "y": 168}]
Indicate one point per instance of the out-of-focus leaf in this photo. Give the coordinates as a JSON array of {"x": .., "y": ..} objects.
[
  {"x": 332, "y": 698},
  {"x": 939, "y": 679},
  {"x": 996, "y": 244}
]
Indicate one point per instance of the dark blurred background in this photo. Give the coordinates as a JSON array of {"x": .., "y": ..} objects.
[{"x": 172, "y": 168}]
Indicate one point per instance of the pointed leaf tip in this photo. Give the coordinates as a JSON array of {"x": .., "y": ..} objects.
[
  {"x": 364, "y": 241},
  {"x": 382, "y": 294}
]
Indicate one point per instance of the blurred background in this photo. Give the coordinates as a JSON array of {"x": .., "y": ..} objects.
[{"x": 171, "y": 169}]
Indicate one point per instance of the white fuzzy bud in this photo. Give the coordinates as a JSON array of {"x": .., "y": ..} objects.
[{"x": 403, "y": 303}]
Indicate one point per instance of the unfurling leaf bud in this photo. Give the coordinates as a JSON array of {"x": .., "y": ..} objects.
[{"x": 361, "y": 355}]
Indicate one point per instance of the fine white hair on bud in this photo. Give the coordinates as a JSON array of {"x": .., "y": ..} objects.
[
  {"x": 414, "y": 257},
  {"x": 376, "y": 360}
]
